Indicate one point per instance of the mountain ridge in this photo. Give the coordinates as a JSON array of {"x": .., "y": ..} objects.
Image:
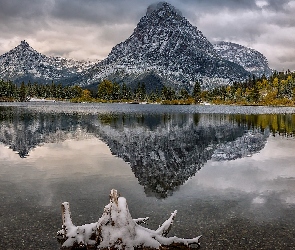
[
  {"x": 165, "y": 42},
  {"x": 23, "y": 63},
  {"x": 164, "y": 49},
  {"x": 251, "y": 60}
]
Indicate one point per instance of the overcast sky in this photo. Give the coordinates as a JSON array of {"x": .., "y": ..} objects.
[{"x": 88, "y": 29}]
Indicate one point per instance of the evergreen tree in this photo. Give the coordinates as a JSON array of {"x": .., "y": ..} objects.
[
  {"x": 126, "y": 92},
  {"x": 140, "y": 92},
  {"x": 184, "y": 94},
  {"x": 168, "y": 93},
  {"x": 22, "y": 93},
  {"x": 116, "y": 93},
  {"x": 197, "y": 92},
  {"x": 105, "y": 90},
  {"x": 255, "y": 93}
]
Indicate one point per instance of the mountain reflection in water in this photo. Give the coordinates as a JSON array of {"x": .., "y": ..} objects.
[{"x": 163, "y": 150}]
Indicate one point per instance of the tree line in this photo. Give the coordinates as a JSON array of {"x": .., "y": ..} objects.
[
  {"x": 10, "y": 91},
  {"x": 278, "y": 89},
  {"x": 107, "y": 91}
]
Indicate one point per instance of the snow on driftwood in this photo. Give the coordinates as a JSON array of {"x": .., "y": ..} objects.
[{"x": 117, "y": 230}]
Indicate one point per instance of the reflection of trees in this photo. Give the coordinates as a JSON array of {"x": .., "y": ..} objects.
[
  {"x": 22, "y": 131},
  {"x": 164, "y": 150},
  {"x": 282, "y": 124}
]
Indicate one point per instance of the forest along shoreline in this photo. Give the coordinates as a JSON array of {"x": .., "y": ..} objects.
[{"x": 277, "y": 90}]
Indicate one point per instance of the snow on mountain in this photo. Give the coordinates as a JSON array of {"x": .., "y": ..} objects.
[
  {"x": 23, "y": 63},
  {"x": 165, "y": 48},
  {"x": 250, "y": 59},
  {"x": 165, "y": 43}
]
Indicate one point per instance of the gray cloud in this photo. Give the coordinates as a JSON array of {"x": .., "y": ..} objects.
[
  {"x": 90, "y": 28},
  {"x": 25, "y": 9},
  {"x": 278, "y": 6},
  {"x": 99, "y": 11}
]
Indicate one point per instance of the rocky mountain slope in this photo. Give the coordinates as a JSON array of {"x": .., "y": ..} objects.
[
  {"x": 165, "y": 48},
  {"x": 23, "y": 63},
  {"x": 164, "y": 43},
  {"x": 250, "y": 59}
]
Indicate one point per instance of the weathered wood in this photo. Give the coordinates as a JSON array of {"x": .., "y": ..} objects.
[{"x": 117, "y": 230}]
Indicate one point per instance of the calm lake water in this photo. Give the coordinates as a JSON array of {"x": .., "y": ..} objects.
[{"x": 229, "y": 171}]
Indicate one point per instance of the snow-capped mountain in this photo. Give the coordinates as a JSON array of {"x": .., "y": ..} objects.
[
  {"x": 165, "y": 48},
  {"x": 164, "y": 43},
  {"x": 23, "y": 63},
  {"x": 250, "y": 59}
]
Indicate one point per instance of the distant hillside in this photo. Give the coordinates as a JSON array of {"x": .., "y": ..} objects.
[
  {"x": 23, "y": 63},
  {"x": 250, "y": 59}
]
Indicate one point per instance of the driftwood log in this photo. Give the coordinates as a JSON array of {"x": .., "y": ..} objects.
[{"x": 117, "y": 230}]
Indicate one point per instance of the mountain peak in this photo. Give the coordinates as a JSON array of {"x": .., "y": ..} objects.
[
  {"x": 24, "y": 43},
  {"x": 23, "y": 63},
  {"x": 162, "y": 7},
  {"x": 160, "y": 48}
]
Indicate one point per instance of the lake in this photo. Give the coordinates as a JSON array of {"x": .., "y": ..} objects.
[{"x": 228, "y": 170}]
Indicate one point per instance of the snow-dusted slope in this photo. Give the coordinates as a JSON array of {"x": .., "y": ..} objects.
[
  {"x": 163, "y": 49},
  {"x": 250, "y": 59},
  {"x": 23, "y": 63},
  {"x": 165, "y": 43}
]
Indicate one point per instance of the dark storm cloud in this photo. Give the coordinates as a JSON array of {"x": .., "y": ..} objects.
[
  {"x": 21, "y": 18},
  {"x": 221, "y": 4},
  {"x": 90, "y": 28},
  {"x": 278, "y": 6},
  {"x": 29, "y": 9},
  {"x": 99, "y": 11}
]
